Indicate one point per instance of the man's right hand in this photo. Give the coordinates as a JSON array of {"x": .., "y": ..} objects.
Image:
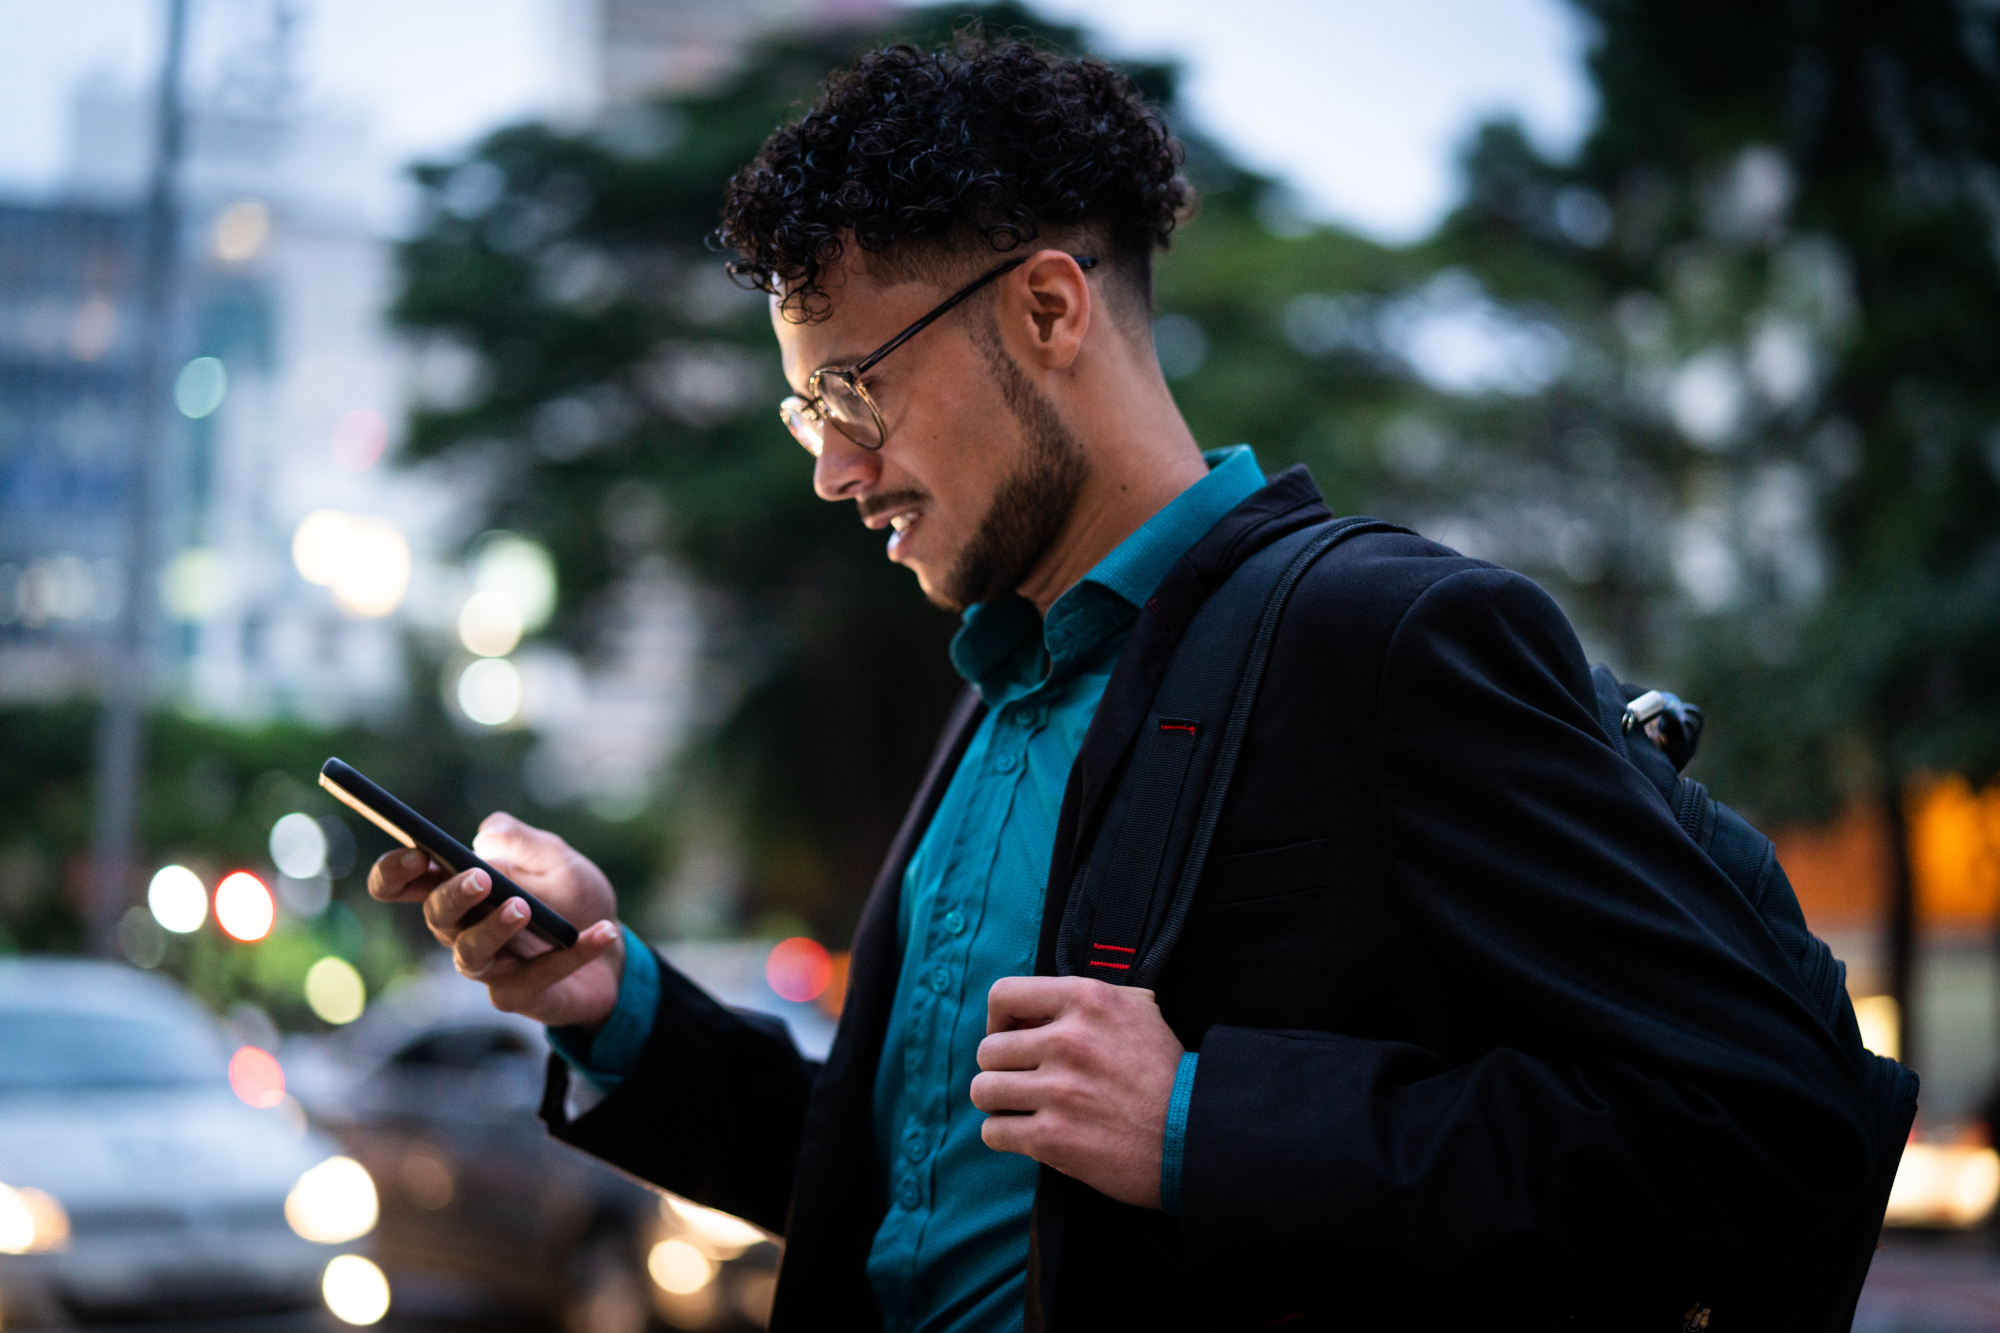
[{"x": 573, "y": 987}]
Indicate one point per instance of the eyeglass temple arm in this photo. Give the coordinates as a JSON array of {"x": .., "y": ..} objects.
[{"x": 1085, "y": 262}]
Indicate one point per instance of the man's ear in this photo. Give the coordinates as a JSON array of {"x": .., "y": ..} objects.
[{"x": 1046, "y": 309}]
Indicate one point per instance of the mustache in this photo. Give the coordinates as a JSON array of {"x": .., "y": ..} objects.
[{"x": 871, "y": 505}]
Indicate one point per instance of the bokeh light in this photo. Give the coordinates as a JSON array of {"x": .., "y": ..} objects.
[
  {"x": 799, "y": 969},
  {"x": 359, "y": 439},
  {"x": 256, "y": 1076},
  {"x": 335, "y": 991},
  {"x": 195, "y": 584},
  {"x": 372, "y": 571},
  {"x": 305, "y": 898},
  {"x": 725, "y": 1234},
  {"x": 316, "y": 545},
  {"x": 365, "y": 561},
  {"x": 489, "y": 624},
  {"x": 1945, "y": 1185},
  {"x": 31, "y": 1221},
  {"x": 241, "y": 231},
  {"x": 680, "y": 1267},
  {"x": 298, "y": 846},
  {"x": 519, "y": 570},
  {"x": 200, "y": 387},
  {"x": 140, "y": 938},
  {"x": 244, "y": 907},
  {"x": 94, "y": 329},
  {"x": 489, "y": 691},
  {"x": 333, "y": 1203},
  {"x": 177, "y": 899},
  {"x": 355, "y": 1290}
]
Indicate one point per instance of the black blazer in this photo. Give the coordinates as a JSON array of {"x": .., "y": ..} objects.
[{"x": 1486, "y": 1041}]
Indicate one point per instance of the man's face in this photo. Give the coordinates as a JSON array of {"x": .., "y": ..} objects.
[{"x": 978, "y": 474}]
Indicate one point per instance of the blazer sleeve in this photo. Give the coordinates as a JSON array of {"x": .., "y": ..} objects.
[
  {"x": 1643, "y": 1090},
  {"x": 713, "y": 1108}
]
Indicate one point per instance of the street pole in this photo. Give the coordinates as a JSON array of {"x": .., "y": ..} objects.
[
  {"x": 121, "y": 736},
  {"x": 1902, "y": 922}
]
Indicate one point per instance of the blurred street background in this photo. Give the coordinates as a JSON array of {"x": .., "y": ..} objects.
[{"x": 367, "y": 389}]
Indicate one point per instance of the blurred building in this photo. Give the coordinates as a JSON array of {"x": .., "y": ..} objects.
[
  {"x": 67, "y": 399},
  {"x": 648, "y": 48},
  {"x": 284, "y": 285},
  {"x": 282, "y": 288}
]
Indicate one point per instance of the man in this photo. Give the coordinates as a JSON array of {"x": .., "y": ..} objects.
[{"x": 1483, "y": 1039}]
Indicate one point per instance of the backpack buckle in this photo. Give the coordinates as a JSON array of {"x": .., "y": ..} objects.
[{"x": 1670, "y": 723}]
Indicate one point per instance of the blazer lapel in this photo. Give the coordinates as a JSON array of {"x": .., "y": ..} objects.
[{"x": 839, "y": 1199}]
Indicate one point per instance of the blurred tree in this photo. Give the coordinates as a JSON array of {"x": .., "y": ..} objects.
[
  {"x": 1776, "y": 439},
  {"x": 213, "y": 792}
]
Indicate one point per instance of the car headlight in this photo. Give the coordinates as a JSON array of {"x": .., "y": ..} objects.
[
  {"x": 31, "y": 1221},
  {"x": 333, "y": 1203},
  {"x": 680, "y": 1266}
]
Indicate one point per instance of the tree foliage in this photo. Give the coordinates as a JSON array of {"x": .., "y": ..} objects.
[
  {"x": 1724, "y": 383},
  {"x": 1783, "y": 322}
]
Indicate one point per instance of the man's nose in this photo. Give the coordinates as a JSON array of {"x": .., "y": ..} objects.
[{"x": 843, "y": 468}]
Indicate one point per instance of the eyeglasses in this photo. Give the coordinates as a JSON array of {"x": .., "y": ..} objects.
[{"x": 838, "y": 398}]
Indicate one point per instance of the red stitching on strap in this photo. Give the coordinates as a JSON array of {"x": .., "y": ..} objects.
[
  {"x": 1122, "y": 967},
  {"x": 1115, "y": 948},
  {"x": 1188, "y": 727}
]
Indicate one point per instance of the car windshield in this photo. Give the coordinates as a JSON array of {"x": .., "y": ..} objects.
[{"x": 46, "y": 1049}]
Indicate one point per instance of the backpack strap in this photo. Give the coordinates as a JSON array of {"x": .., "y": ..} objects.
[{"x": 1131, "y": 897}]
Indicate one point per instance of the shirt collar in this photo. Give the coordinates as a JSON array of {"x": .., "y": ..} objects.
[{"x": 988, "y": 649}]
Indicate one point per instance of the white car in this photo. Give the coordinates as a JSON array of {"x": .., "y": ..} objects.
[{"x": 135, "y": 1183}]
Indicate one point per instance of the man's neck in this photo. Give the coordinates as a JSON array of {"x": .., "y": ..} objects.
[{"x": 1139, "y": 461}]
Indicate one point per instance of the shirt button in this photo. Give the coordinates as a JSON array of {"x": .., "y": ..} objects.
[
  {"x": 910, "y": 1196},
  {"x": 1005, "y": 763},
  {"x": 913, "y": 1144},
  {"x": 954, "y": 922},
  {"x": 1026, "y": 716},
  {"x": 940, "y": 979}
]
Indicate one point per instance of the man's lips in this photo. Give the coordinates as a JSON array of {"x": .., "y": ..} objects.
[
  {"x": 898, "y": 517},
  {"x": 899, "y": 513}
]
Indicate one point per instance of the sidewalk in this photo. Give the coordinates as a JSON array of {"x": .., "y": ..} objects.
[{"x": 1932, "y": 1284}]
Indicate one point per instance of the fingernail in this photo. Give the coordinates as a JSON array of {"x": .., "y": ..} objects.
[
  {"x": 413, "y": 860},
  {"x": 605, "y": 931},
  {"x": 516, "y": 911},
  {"x": 475, "y": 884}
]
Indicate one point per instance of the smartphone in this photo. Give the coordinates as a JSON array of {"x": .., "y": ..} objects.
[{"x": 545, "y": 929}]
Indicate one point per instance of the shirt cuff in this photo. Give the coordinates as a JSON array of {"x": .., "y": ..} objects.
[
  {"x": 606, "y": 1058},
  {"x": 1176, "y": 1138}
]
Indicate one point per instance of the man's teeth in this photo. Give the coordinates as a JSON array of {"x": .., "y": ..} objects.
[{"x": 901, "y": 522}]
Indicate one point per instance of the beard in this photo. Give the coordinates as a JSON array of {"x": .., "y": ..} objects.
[{"x": 1033, "y": 504}]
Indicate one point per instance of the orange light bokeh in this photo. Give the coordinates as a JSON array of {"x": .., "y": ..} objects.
[
  {"x": 799, "y": 969},
  {"x": 1955, "y": 852},
  {"x": 834, "y": 998},
  {"x": 244, "y": 907},
  {"x": 1841, "y": 870},
  {"x": 256, "y": 1076}
]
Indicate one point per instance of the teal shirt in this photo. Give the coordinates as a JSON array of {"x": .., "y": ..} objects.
[{"x": 951, "y": 1255}]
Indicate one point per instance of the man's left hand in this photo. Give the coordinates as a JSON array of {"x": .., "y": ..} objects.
[{"x": 1086, "y": 1070}]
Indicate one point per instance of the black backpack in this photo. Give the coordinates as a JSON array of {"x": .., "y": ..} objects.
[{"x": 1133, "y": 894}]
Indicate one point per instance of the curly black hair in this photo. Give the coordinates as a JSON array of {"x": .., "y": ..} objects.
[{"x": 981, "y": 142}]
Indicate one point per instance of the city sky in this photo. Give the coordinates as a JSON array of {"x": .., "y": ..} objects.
[{"x": 1361, "y": 106}]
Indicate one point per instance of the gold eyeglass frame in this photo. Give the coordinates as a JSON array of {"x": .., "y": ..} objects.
[{"x": 808, "y": 417}]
